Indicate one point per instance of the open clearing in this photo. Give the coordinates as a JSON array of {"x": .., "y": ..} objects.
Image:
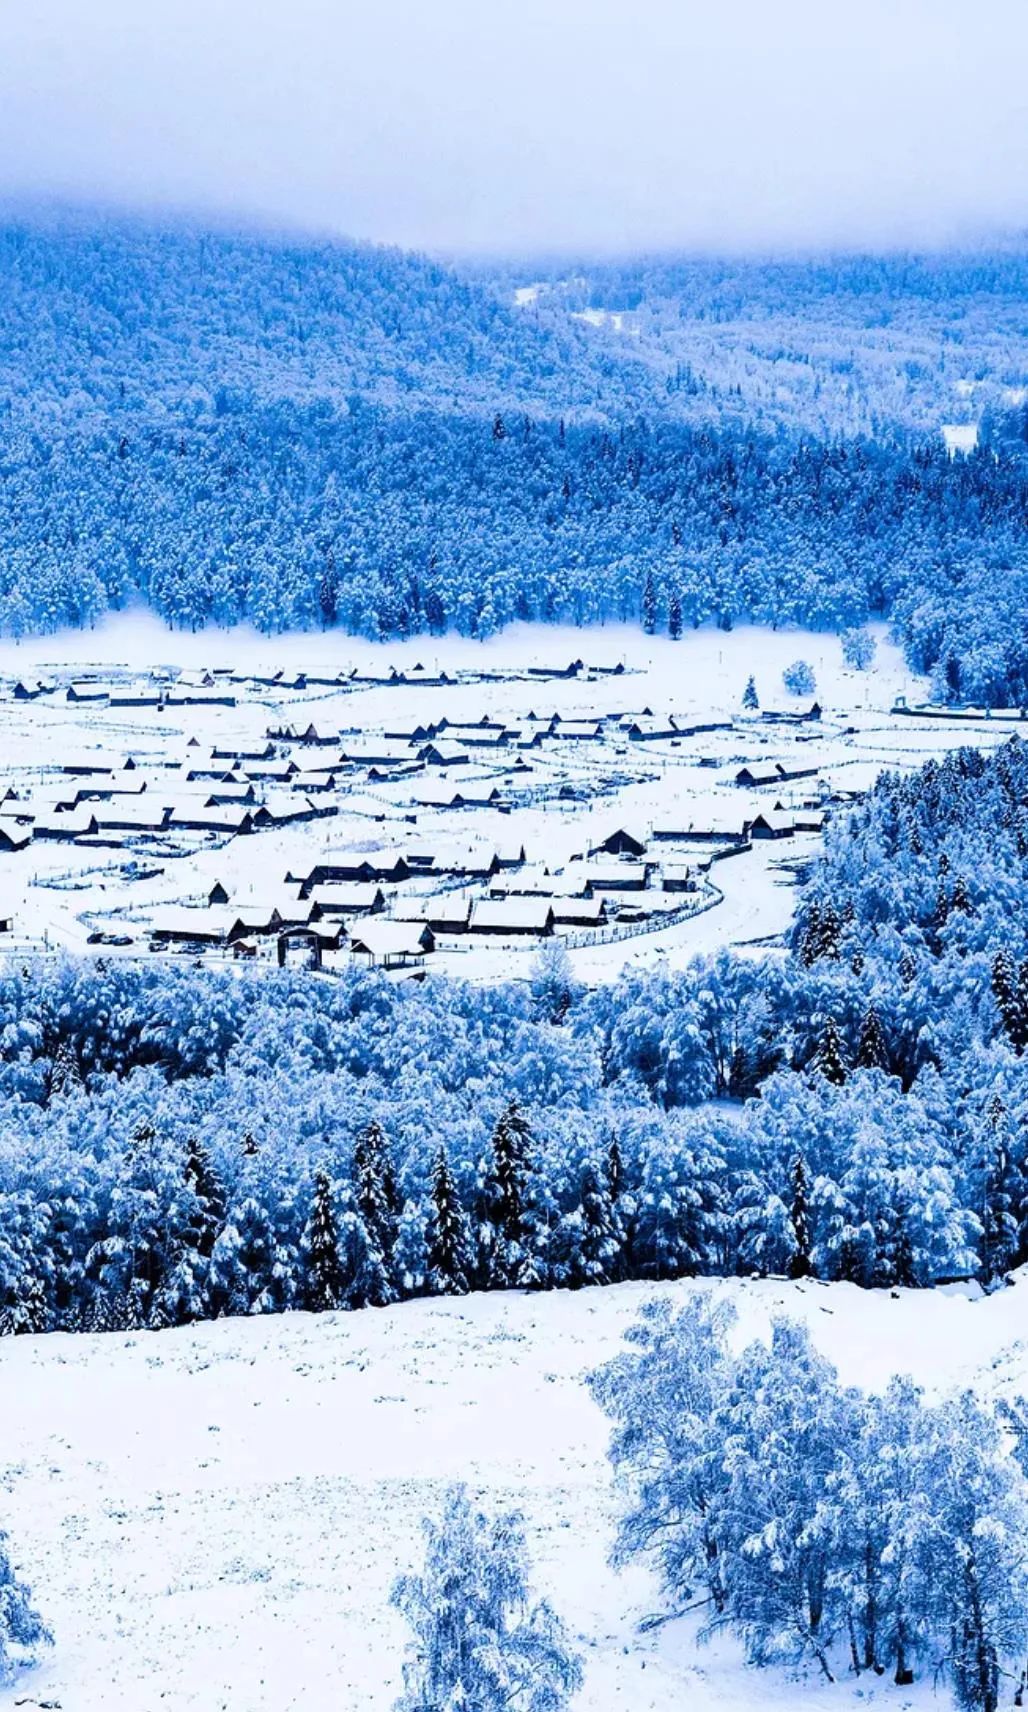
[
  {"x": 444, "y": 775},
  {"x": 212, "y": 1517}
]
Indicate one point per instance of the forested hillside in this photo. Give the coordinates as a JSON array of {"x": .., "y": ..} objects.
[
  {"x": 299, "y": 516},
  {"x": 176, "y": 1144},
  {"x": 827, "y": 345},
  {"x": 302, "y": 434},
  {"x": 101, "y": 316}
]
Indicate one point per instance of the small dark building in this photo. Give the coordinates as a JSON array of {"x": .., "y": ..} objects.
[
  {"x": 771, "y": 825},
  {"x": 379, "y": 867},
  {"x": 620, "y": 843}
]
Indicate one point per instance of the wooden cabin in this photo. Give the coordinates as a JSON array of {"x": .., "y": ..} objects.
[
  {"x": 620, "y": 843},
  {"x": 511, "y": 917},
  {"x": 392, "y": 944}
]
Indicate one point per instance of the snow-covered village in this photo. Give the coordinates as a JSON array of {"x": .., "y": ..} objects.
[
  {"x": 449, "y": 815},
  {"x": 513, "y": 858}
]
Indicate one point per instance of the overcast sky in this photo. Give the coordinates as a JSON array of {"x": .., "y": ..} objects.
[{"x": 464, "y": 124}]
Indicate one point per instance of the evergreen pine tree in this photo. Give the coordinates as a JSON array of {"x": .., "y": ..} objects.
[
  {"x": 106, "y": 1309},
  {"x": 410, "y": 1250},
  {"x": 25, "y": 1310},
  {"x": 1002, "y": 1194},
  {"x": 601, "y": 1238},
  {"x": 940, "y": 917},
  {"x": 369, "y": 1274},
  {"x": 960, "y": 902},
  {"x": 872, "y": 1053},
  {"x": 828, "y": 1060},
  {"x": 377, "y": 1203},
  {"x": 209, "y": 1195},
  {"x": 450, "y": 1264},
  {"x": 1010, "y": 990},
  {"x": 674, "y": 618},
  {"x": 615, "y": 1170},
  {"x": 799, "y": 1214},
  {"x": 504, "y": 1237},
  {"x": 999, "y": 1224},
  {"x": 649, "y": 605},
  {"x": 323, "y": 1275},
  {"x": 903, "y": 1264},
  {"x": 66, "y": 1075},
  {"x": 375, "y": 1175},
  {"x": 750, "y": 699},
  {"x": 820, "y": 932}
]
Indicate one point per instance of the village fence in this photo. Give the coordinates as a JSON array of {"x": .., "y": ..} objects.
[{"x": 616, "y": 932}]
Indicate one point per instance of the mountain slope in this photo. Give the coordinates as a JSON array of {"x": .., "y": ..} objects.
[
  {"x": 98, "y": 315},
  {"x": 244, "y": 1559}
]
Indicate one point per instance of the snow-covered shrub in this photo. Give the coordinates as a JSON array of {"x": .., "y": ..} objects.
[
  {"x": 859, "y": 649},
  {"x": 481, "y": 1639},
  {"x": 799, "y": 678},
  {"x": 22, "y": 1630}
]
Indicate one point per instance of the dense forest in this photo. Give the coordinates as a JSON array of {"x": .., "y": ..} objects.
[
  {"x": 176, "y": 1144},
  {"x": 304, "y": 435}
]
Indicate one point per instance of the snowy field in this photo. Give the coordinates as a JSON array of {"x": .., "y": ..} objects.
[
  {"x": 212, "y": 1517},
  {"x": 556, "y": 799}
]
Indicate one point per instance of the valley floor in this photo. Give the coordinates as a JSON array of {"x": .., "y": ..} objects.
[
  {"x": 212, "y": 1517},
  {"x": 559, "y": 805}
]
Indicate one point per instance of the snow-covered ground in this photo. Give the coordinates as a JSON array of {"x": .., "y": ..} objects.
[
  {"x": 212, "y": 1517},
  {"x": 616, "y": 319},
  {"x": 960, "y": 436},
  {"x": 57, "y": 893}
]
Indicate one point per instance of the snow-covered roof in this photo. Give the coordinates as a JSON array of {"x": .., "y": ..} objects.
[
  {"x": 579, "y": 728},
  {"x": 346, "y": 894},
  {"x": 449, "y": 753},
  {"x": 368, "y": 751},
  {"x": 381, "y": 938},
  {"x": 615, "y": 873},
  {"x": 182, "y": 923},
  {"x": 516, "y": 914},
  {"x": 584, "y": 910},
  {"x": 775, "y": 821}
]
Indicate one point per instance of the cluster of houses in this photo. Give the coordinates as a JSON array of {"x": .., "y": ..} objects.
[
  {"x": 778, "y": 820},
  {"x": 393, "y": 907},
  {"x": 95, "y": 799},
  {"x": 390, "y": 906},
  {"x": 298, "y": 773},
  {"x": 395, "y": 918},
  {"x": 171, "y": 687}
]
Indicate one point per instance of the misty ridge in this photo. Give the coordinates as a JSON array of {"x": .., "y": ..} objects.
[{"x": 569, "y": 129}]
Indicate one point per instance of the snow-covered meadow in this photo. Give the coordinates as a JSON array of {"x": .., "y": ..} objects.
[{"x": 212, "y": 1517}]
